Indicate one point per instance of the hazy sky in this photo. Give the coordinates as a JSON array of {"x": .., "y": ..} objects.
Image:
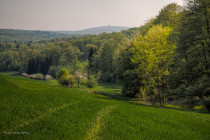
[{"x": 77, "y": 14}]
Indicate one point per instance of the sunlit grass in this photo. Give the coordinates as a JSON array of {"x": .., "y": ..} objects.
[{"x": 44, "y": 110}]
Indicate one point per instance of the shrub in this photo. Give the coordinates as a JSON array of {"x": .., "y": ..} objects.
[
  {"x": 63, "y": 77},
  {"x": 64, "y": 80},
  {"x": 78, "y": 76},
  {"x": 91, "y": 82},
  {"x": 84, "y": 82},
  {"x": 24, "y": 74},
  {"x": 72, "y": 80},
  {"x": 37, "y": 76},
  {"x": 48, "y": 77},
  {"x": 62, "y": 72}
]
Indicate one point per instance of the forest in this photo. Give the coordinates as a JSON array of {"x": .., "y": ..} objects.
[{"x": 167, "y": 60}]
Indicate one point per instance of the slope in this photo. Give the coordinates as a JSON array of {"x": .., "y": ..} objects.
[{"x": 42, "y": 109}]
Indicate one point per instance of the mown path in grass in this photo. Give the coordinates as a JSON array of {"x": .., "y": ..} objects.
[
  {"x": 44, "y": 110},
  {"x": 93, "y": 133}
]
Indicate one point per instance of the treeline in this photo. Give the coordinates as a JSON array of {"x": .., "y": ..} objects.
[
  {"x": 166, "y": 60},
  {"x": 11, "y": 35}
]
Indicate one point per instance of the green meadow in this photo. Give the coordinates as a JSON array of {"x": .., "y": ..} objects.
[{"x": 35, "y": 109}]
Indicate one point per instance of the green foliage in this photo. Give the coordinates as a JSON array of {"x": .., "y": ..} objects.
[
  {"x": 169, "y": 15},
  {"x": 40, "y": 63},
  {"x": 131, "y": 83},
  {"x": 191, "y": 63},
  {"x": 64, "y": 80},
  {"x": 62, "y": 72},
  {"x": 53, "y": 70},
  {"x": 25, "y": 35},
  {"x": 91, "y": 58},
  {"x": 152, "y": 54},
  {"x": 78, "y": 77},
  {"x": 71, "y": 54},
  {"x": 91, "y": 82},
  {"x": 108, "y": 56},
  {"x": 63, "y": 77},
  {"x": 106, "y": 77}
]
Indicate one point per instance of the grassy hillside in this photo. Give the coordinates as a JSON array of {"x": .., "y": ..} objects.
[{"x": 43, "y": 109}]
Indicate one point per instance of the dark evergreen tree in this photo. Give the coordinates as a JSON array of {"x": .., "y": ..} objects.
[{"x": 93, "y": 50}]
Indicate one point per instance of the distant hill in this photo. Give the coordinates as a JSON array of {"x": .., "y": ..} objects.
[
  {"x": 36, "y": 35},
  {"x": 28, "y": 35},
  {"x": 97, "y": 30}
]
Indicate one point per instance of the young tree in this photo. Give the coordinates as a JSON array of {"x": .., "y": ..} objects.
[
  {"x": 78, "y": 77},
  {"x": 153, "y": 55},
  {"x": 72, "y": 80},
  {"x": 64, "y": 78},
  {"x": 91, "y": 82},
  {"x": 92, "y": 52}
]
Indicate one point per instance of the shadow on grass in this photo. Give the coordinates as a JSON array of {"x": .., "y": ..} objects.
[
  {"x": 109, "y": 85},
  {"x": 116, "y": 96},
  {"x": 121, "y": 97},
  {"x": 204, "y": 111}
]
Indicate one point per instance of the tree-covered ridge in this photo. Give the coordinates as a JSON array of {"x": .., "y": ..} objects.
[
  {"x": 166, "y": 60},
  {"x": 12, "y": 35},
  {"x": 96, "y": 30}
]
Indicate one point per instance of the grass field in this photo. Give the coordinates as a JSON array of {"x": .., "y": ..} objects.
[{"x": 32, "y": 109}]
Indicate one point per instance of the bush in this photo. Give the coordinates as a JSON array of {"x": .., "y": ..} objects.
[
  {"x": 48, "y": 77},
  {"x": 37, "y": 76},
  {"x": 63, "y": 77},
  {"x": 91, "y": 82},
  {"x": 78, "y": 76},
  {"x": 67, "y": 80},
  {"x": 64, "y": 80},
  {"x": 25, "y": 74},
  {"x": 62, "y": 72},
  {"x": 84, "y": 81},
  {"x": 72, "y": 80}
]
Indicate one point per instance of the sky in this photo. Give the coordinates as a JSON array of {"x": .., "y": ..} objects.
[{"x": 77, "y": 14}]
